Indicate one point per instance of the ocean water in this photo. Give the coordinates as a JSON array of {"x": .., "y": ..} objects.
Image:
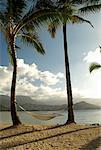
[{"x": 81, "y": 117}]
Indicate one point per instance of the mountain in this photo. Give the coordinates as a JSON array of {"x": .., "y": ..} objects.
[
  {"x": 29, "y": 104},
  {"x": 84, "y": 105},
  {"x": 4, "y": 102},
  {"x": 22, "y": 100}
]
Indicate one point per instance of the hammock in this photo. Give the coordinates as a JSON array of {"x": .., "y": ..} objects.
[{"x": 41, "y": 116}]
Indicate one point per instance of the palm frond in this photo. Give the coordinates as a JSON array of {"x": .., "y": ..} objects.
[
  {"x": 94, "y": 66},
  {"x": 52, "y": 27},
  {"x": 92, "y": 2},
  {"x": 15, "y": 9},
  {"x": 2, "y": 27},
  {"x": 33, "y": 40},
  {"x": 85, "y": 2},
  {"x": 45, "y": 4},
  {"x": 37, "y": 17},
  {"x": 17, "y": 47},
  {"x": 89, "y": 9},
  {"x": 2, "y": 20},
  {"x": 30, "y": 27},
  {"x": 78, "y": 2},
  {"x": 67, "y": 10},
  {"x": 1, "y": 16},
  {"x": 77, "y": 19},
  {"x": 52, "y": 30}
]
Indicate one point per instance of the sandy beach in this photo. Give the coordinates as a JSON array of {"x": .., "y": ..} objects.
[{"x": 66, "y": 137}]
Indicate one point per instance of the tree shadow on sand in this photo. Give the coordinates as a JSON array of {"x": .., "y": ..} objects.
[
  {"x": 10, "y": 145},
  {"x": 24, "y": 132},
  {"x": 93, "y": 145},
  {"x": 33, "y": 129}
]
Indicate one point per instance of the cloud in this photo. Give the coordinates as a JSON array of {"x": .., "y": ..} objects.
[
  {"x": 49, "y": 78},
  {"x": 45, "y": 86},
  {"x": 32, "y": 82},
  {"x": 5, "y": 79},
  {"x": 32, "y": 73},
  {"x": 93, "y": 56}
]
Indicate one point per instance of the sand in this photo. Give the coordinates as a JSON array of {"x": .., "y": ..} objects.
[{"x": 66, "y": 137}]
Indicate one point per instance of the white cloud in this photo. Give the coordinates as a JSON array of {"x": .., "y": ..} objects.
[
  {"x": 5, "y": 79},
  {"x": 39, "y": 84},
  {"x": 27, "y": 77},
  {"x": 50, "y": 95},
  {"x": 93, "y": 56},
  {"x": 49, "y": 78}
]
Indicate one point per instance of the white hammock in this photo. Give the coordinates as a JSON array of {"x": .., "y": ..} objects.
[{"x": 41, "y": 116}]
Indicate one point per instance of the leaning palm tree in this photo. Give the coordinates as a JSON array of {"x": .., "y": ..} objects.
[
  {"x": 18, "y": 21},
  {"x": 72, "y": 9}
]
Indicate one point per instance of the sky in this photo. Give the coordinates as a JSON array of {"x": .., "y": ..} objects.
[{"x": 43, "y": 77}]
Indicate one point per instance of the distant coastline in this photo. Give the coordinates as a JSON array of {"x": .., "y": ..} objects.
[{"x": 31, "y": 105}]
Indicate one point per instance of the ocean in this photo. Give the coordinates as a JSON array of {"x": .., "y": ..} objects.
[{"x": 81, "y": 117}]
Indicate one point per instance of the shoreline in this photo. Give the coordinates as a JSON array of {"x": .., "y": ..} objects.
[
  {"x": 46, "y": 137},
  {"x": 4, "y": 125}
]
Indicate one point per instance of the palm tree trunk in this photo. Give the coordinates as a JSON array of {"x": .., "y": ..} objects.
[
  {"x": 15, "y": 118},
  {"x": 68, "y": 80}
]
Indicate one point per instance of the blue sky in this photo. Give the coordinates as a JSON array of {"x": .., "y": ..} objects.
[{"x": 83, "y": 42}]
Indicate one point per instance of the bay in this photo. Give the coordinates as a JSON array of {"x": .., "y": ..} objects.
[{"x": 81, "y": 117}]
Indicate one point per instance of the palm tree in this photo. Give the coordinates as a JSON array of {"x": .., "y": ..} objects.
[
  {"x": 72, "y": 9},
  {"x": 18, "y": 21},
  {"x": 66, "y": 14},
  {"x": 66, "y": 7},
  {"x": 74, "y": 19}
]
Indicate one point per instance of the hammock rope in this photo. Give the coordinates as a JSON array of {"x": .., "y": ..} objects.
[{"x": 40, "y": 116}]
